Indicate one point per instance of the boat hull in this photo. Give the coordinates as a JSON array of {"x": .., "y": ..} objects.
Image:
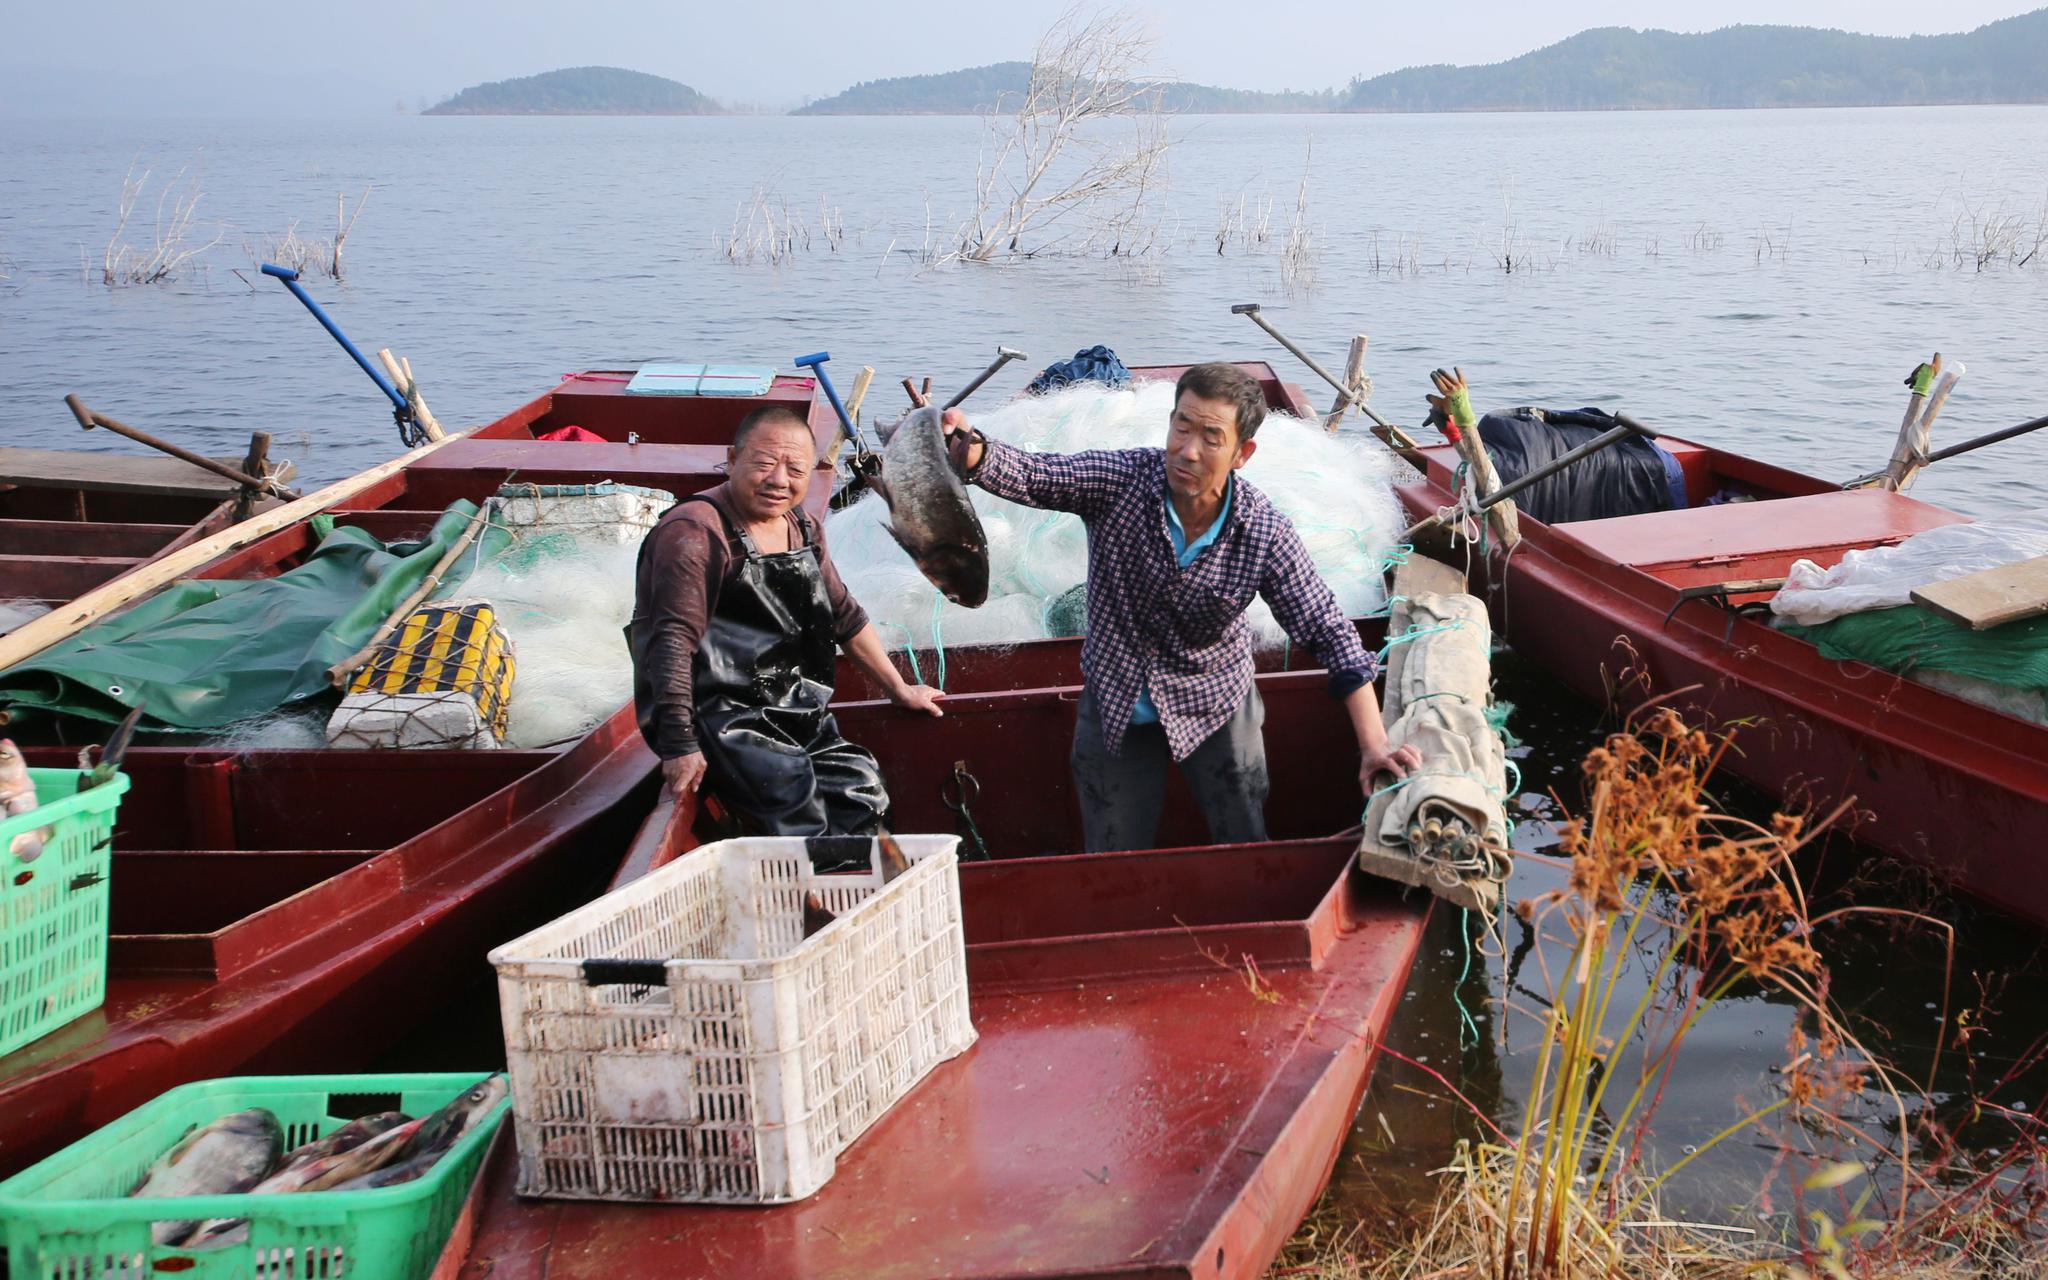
[{"x": 1957, "y": 789}]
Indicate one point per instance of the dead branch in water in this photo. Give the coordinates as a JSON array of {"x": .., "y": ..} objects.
[
  {"x": 176, "y": 221},
  {"x": 1087, "y": 134}
]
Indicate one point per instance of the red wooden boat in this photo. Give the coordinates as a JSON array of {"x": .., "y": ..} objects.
[
  {"x": 1940, "y": 780},
  {"x": 1172, "y": 1043},
  {"x": 295, "y": 910}
]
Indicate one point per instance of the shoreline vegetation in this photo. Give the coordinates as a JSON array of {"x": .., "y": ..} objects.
[
  {"x": 1601, "y": 69},
  {"x": 1875, "y": 1175}
]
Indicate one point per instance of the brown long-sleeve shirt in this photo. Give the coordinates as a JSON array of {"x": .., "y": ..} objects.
[{"x": 687, "y": 559}]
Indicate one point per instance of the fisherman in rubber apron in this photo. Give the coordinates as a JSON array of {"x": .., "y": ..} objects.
[
  {"x": 737, "y": 611},
  {"x": 1178, "y": 544}
]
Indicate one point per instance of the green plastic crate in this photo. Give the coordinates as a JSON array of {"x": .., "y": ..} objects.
[
  {"x": 70, "y": 1217},
  {"x": 53, "y": 911}
]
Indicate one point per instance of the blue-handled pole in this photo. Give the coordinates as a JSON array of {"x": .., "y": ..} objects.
[
  {"x": 291, "y": 281},
  {"x": 815, "y": 362}
]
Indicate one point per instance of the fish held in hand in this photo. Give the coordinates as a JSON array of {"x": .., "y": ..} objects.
[
  {"x": 18, "y": 796},
  {"x": 930, "y": 514},
  {"x": 227, "y": 1157}
]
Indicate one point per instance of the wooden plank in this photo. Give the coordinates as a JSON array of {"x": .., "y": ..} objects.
[
  {"x": 40, "y": 634},
  {"x": 110, "y": 473},
  {"x": 1991, "y": 597}
]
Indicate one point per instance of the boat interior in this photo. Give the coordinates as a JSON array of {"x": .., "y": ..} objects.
[{"x": 1746, "y": 523}]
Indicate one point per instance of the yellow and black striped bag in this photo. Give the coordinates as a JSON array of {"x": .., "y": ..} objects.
[{"x": 450, "y": 645}]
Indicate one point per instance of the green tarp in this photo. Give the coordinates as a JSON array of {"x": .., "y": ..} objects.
[
  {"x": 1910, "y": 638},
  {"x": 205, "y": 653}
]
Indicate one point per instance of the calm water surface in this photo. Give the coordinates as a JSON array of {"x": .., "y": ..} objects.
[{"x": 1756, "y": 280}]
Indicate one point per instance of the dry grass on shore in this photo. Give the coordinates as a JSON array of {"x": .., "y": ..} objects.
[{"x": 1567, "y": 1188}]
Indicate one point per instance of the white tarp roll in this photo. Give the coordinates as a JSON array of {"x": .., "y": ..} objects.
[{"x": 1438, "y": 687}]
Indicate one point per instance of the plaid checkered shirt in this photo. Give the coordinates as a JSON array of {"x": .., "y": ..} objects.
[{"x": 1179, "y": 632}]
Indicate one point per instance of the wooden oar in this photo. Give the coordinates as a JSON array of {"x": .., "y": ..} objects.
[
  {"x": 1629, "y": 427},
  {"x": 40, "y": 633}
]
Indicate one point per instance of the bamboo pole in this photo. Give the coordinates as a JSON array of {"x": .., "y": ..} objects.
[
  {"x": 1912, "y": 441},
  {"x": 66, "y": 620},
  {"x": 401, "y": 377},
  {"x": 338, "y": 674},
  {"x": 1925, "y": 427},
  {"x": 860, "y": 392},
  {"x": 1354, "y": 381}
]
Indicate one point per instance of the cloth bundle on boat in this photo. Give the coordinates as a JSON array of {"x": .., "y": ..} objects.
[
  {"x": 1629, "y": 478},
  {"x": 1093, "y": 364},
  {"x": 1442, "y": 826},
  {"x": 208, "y": 652},
  {"x": 1861, "y": 610}
]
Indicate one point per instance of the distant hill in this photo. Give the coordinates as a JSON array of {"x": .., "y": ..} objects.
[
  {"x": 579, "y": 91},
  {"x": 975, "y": 89},
  {"x": 1616, "y": 68}
]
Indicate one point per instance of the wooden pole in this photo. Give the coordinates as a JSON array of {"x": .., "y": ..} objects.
[
  {"x": 1935, "y": 403},
  {"x": 89, "y": 419},
  {"x": 860, "y": 392},
  {"x": 256, "y": 464},
  {"x": 401, "y": 377},
  {"x": 1912, "y": 441},
  {"x": 338, "y": 674},
  {"x": 66, "y": 620},
  {"x": 1354, "y": 380}
]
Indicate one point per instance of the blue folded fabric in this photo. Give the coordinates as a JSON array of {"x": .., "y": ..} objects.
[{"x": 1096, "y": 364}]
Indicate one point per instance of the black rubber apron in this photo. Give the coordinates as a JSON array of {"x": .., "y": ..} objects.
[{"x": 762, "y": 680}]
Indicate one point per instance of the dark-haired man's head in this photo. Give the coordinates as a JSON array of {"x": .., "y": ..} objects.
[
  {"x": 770, "y": 462},
  {"x": 1217, "y": 409}
]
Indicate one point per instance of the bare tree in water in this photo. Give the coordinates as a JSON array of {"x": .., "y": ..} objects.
[{"x": 1074, "y": 160}]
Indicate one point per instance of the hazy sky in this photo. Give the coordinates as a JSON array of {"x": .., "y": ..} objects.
[{"x": 96, "y": 57}]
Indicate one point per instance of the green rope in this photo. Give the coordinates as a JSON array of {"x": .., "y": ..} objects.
[
  {"x": 1466, "y": 1024},
  {"x": 938, "y": 640}
]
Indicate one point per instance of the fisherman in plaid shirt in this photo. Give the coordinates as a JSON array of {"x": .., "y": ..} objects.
[{"x": 1177, "y": 546}]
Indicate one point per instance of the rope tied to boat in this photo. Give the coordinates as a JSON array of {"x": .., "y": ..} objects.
[{"x": 957, "y": 792}]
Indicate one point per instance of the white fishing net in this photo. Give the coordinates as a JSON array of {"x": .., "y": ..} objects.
[
  {"x": 564, "y": 601},
  {"x": 1335, "y": 490}
]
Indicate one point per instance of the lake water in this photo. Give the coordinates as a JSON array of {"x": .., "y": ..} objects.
[{"x": 1756, "y": 280}]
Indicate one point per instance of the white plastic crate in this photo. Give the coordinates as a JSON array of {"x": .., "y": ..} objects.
[{"x": 680, "y": 1039}]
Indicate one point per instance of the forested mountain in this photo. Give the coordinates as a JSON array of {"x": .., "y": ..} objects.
[
  {"x": 1616, "y": 68},
  {"x": 573, "y": 91},
  {"x": 975, "y": 89}
]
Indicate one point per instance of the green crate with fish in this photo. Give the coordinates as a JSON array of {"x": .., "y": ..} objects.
[
  {"x": 358, "y": 1175},
  {"x": 56, "y": 839}
]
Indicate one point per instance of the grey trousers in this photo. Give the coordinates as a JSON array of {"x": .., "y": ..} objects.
[{"x": 1122, "y": 795}]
